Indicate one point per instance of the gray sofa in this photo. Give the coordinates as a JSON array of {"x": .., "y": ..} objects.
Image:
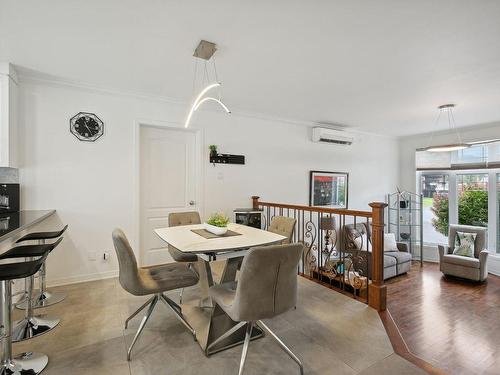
[
  {"x": 468, "y": 268},
  {"x": 395, "y": 262}
]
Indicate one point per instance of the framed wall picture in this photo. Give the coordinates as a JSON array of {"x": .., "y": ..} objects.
[{"x": 328, "y": 189}]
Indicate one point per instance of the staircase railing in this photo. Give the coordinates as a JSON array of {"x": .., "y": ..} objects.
[{"x": 344, "y": 248}]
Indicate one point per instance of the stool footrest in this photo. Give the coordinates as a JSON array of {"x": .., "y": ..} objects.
[{"x": 44, "y": 299}]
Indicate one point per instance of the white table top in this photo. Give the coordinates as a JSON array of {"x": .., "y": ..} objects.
[{"x": 185, "y": 240}]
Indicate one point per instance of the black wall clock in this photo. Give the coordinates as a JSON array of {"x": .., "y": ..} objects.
[{"x": 86, "y": 126}]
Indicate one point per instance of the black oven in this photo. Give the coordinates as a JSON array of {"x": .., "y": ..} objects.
[{"x": 9, "y": 198}]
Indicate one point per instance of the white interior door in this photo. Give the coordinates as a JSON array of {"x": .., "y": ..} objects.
[{"x": 168, "y": 183}]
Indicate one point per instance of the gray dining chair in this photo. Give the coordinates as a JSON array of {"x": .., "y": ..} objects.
[
  {"x": 252, "y": 298},
  {"x": 283, "y": 225},
  {"x": 153, "y": 281},
  {"x": 176, "y": 219}
]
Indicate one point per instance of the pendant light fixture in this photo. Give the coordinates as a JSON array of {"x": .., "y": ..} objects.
[
  {"x": 205, "y": 52},
  {"x": 460, "y": 145}
]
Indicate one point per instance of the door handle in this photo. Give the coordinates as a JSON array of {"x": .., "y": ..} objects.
[{"x": 191, "y": 203}]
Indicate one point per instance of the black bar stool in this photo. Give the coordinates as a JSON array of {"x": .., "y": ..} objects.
[
  {"x": 43, "y": 298},
  {"x": 31, "y": 325},
  {"x": 25, "y": 363}
]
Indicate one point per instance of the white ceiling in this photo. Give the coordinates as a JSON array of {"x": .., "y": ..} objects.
[{"x": 381, "y": 66}]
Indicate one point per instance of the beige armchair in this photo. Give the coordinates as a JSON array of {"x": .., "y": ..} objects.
[{"x": 468, "y": 268}]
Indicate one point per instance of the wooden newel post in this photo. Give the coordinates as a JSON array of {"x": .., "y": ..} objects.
[
  {"x": 255, "y": 202},
  {"x": 377, "y": 294}
]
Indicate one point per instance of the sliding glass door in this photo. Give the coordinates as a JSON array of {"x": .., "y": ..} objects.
[{"x": 435, "y": 215}]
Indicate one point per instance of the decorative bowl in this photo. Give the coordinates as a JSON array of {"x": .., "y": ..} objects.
[{"x": 218, "y": 231}]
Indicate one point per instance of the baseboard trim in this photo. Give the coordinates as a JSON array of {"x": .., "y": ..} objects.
[
  {"x": 494, "y": 264},
  {"x": 400, "y": 347},
  {"x": 82, "y": 278}
]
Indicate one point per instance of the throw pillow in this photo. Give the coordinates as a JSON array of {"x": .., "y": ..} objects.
[
  {"x": 465, "y": 244},
  {"x": 361, "y": 242},
  {"x": 390, "y": 242}
]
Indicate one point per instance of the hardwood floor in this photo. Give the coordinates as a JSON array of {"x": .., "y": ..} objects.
[{"x": 453, "y": 324}]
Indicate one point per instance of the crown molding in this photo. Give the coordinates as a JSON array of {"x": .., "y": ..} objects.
[
  {"x": 32, "y": 78},
  {"x": 7, "y": 69},
  {"x": 56, "y": 82}
]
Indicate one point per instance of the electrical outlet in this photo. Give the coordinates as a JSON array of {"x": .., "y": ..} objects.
[
  {"x": 105, "y": 255},
  {"x": 92, "y": 255}
]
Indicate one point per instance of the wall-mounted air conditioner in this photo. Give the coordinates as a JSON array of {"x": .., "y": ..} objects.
[{"x": 333, "y": 136}]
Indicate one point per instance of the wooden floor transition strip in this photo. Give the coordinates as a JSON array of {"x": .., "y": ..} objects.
[{"x": 400, "y": 347}]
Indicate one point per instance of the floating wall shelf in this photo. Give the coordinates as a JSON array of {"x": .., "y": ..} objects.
[{"x": 227, "y": 159}]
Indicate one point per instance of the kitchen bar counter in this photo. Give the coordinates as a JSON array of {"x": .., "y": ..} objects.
[{"x": 13, "y": 223}]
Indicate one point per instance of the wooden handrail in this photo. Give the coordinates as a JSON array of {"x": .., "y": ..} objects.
[{"x": 338, "y": 211}]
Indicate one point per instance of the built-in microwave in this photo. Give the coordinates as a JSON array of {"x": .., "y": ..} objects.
[{"x": 9, "y": 198}]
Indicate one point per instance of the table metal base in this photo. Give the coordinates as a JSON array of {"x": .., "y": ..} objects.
[{"x": 210, "y": 323}]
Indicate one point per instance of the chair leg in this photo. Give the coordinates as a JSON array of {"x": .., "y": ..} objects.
[
  {"x": 282, "y": 346},
  {"x": 248, "y": 335},
  {"x": 138, "y": 311},
  {"x": 176, "y": 309},
  {"x": 142, "y": 325}
]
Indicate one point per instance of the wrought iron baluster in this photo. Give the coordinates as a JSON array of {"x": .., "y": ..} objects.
[{"x": 333, "y": 254}]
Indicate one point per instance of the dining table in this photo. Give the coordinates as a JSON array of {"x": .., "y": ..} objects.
[{"x": 208, "y": 320}]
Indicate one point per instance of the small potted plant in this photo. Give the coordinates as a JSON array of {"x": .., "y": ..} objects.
[
  {"x": 213, "y": 151},
  {"x": 217, "y": 224}
]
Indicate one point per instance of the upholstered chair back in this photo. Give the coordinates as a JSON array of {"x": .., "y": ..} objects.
[
  {"x": 480, "y": 243},
  {"x": 183, "y": 218},
  {"x": 176, "y": 219},
  {"x": 129, "y": 273},
  {"x": 283, "y": 225},
  {"x": 267, "y": 285}
]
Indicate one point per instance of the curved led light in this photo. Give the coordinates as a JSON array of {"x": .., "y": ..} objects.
[
  {"x": 200, "y": 95},
  {"x": 208, "y": 98},
  {"x": 447, "y": 148}
]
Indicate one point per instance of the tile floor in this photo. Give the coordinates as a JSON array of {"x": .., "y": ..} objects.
[{"x": 331, "y": 333}]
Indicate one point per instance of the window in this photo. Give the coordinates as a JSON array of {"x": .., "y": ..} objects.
[
  {"x": 435, "y": 208},
  {"x": 472, "y": 155},
  {"x": 472, "y": 197},
  {"x": 472, "y": 191},
  {"x": 498, "y": 213}
]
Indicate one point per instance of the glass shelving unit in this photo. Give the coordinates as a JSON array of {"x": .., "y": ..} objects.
[{"x": 404, "y": 219}]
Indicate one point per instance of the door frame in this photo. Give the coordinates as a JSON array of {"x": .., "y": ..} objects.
[{"x": 200, "y": 172}]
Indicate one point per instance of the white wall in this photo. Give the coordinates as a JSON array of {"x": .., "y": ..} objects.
[
  {"x": 407, "y": 147},
  {"x": 91, "y": 185}
]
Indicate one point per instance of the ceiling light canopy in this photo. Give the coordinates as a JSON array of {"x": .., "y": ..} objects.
[
  {"x": 448, "y": 109},
  {"x": 205, "y": 51}
]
